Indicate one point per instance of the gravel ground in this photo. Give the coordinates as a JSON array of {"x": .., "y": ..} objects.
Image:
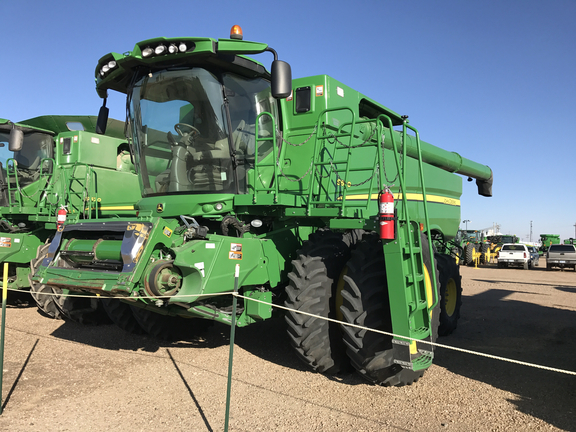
[{"x": 60, "y": 376}]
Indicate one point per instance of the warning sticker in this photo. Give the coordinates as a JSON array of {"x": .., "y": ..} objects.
[
  {"x": 236, "y": 247},
  {"x": 167, "y": 232},
  {"x": 5, "y": 242},
  {"x": 320, "y": 90},
  {"x": 235, "y": 255}
]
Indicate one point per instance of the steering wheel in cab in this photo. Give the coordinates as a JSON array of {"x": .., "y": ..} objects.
[{"x": 187, "y": 136}]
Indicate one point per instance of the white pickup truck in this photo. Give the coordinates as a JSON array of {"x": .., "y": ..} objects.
[{"x": 515, "y": 254}]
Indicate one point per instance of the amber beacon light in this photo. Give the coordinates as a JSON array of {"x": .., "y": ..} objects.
[{"x": 236, "y": 32}]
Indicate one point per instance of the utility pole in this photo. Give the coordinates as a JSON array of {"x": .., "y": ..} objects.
[
  {"x": 467, "y": 220},
  {"x": 531, "y": 231}
]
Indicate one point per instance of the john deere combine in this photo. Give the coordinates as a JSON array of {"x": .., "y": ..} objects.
[
  {"x": 57, "y": 167},
  {"x": 328, "y": 201},
  {"x": 549, "y": 239}
]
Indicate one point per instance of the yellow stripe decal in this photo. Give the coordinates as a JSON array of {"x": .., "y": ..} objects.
[
  {"x": 110, "y": 208},
  {"x": 412, "y": 197}
]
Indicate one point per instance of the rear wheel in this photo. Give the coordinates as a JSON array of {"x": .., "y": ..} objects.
[
  {"x": 366, "y": 303},
  {"x": 121, "y": 314},
  {"x": 469, "y": 253},
  {"x": 312, "y": 287},
  {"x": 450, "y": 286},
  {"x": 484, "y": 248},
  {"x": 44, "y": 295}
]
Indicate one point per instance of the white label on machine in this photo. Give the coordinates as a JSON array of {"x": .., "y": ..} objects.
[
  {"x": 95, "y": 140},
  {"x": 210, "y": 245},
  {"x": 223, "y": 176},
  {"x": 200, "y": 266},
  {"x": 340, "y": 91},
  {"x": 387, "y": 207}
]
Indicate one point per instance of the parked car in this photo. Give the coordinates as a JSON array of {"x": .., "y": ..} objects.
[
  {"x": 514, "y": 254},
  {"x": 534, "y": 256},
  {"x": 561, "y": 255}
]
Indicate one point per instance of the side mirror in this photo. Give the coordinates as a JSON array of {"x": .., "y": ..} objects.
[
  {"x": 102, "y": 119},
  {"x": 16, "y": 139},
  {"x": 281, "y": 79}
]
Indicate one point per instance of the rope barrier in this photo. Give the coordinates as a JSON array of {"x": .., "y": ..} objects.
[{"x": 449, "y": 347}]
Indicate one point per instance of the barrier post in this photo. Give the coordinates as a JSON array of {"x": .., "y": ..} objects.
[
  {"x": 232, "y": 333},
  {"x": 4, "y": 297}
]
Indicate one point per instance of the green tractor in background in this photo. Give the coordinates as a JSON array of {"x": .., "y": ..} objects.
[
  {"x": 466, "y": 244},
  {"x": 55, "y": 168},
  {"x": 306, "y": 192}
]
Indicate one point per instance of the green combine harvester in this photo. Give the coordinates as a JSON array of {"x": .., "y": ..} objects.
[
  {"x": 548, "y": 239},
  {"x": 58, "y": 167},
  {"x": 324, "y": 200}
]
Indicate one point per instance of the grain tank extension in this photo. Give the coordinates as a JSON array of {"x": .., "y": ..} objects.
[{"x": 239, "y": 165}]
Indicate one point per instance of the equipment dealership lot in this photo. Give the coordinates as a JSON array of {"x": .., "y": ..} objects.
[{"x": 60, "y": 376}]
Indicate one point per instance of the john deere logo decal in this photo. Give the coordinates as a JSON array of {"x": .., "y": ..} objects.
[{"x": 160, "y": 208}]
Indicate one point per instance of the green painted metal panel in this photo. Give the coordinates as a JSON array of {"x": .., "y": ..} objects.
[{"x": 19, "y": 248}]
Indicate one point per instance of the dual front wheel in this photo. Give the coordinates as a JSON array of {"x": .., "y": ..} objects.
[
  {"x": 337, "y": 276},
  {"x": 54, "y": 303}
]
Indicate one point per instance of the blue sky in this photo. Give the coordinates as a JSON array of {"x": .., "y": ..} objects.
[{"x": 491, "y": 80}]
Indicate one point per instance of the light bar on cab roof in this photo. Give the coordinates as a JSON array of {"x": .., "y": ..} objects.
[
  {"x": 107, "y": 67},
  {"x": 163, "y": 48}
]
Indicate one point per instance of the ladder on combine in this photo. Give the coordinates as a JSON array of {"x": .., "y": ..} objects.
[
  {"x": 354, "y": 152},
  {"x": 409, "y": 263},
  {"x": 40, "y": 180},
  {"x": 81, "y": 194}
]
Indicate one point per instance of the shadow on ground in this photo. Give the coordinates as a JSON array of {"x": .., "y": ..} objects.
[
  {"x": 522, "y": 331},
  {"x": 491, "y": 323},
  {"x": 113, "y": 338}
]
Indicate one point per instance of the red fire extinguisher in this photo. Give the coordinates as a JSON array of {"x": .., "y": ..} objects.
[
  {"x": 61, "y": 216},
  {"x": 386, "y": 214}
]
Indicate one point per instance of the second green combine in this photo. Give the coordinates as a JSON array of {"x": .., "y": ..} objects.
[{"x": 56, "y": 168}]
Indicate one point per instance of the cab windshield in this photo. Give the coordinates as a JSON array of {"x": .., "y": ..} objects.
[{"x": 194, "y": 130}]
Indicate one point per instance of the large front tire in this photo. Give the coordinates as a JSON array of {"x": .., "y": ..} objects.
[
  {"x": 366, "y": 303},
  {"x": 312, "y": 287},
  {"x": 44, "y": 295}
]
